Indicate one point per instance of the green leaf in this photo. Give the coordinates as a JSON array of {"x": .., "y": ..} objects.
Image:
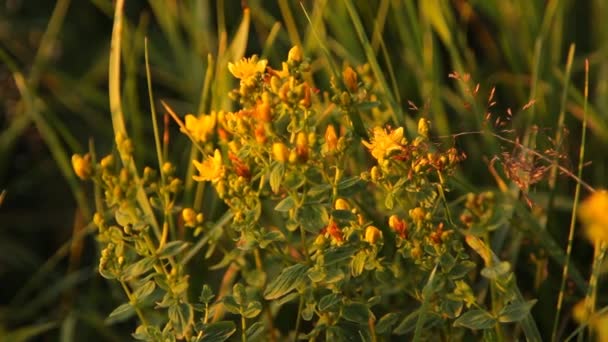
[
  {"x": 206, "y": 294},
  {"x": 313, "y": 218},
  {"x": 285, "y": 282},
  {"x": 254, "y": 331},
  {"x": 461, "y": 269},
  {"x": 218, "y": 332},
  {"x": 475, "y": 319},
  {"x": 338, "y": 254},
  {"x": 349, "y": 182},
  {"x": 270, "y": 237},
  {"x": 286, "y": 204},
  {"x": 386, "y": 323},
  {"x": 368, "y": 105},
  {"x": 255, "y": 278},
  {"x": 231, "y": 305},
  {"x": 497, "y": 270},
  {"x": 138, "y": 268},
  {"x": 356, "y": 312},
  {"x": 515, "y": 312},
  {"x": 240, "y": 293},
  {"x": 358, "y": 263},
  {"x": 289, "y": 298},
  {"x": 142, "y": 292},
  {"x": 171, "y": 249},
  {"x": 252, "y": 310},
  {"x": 182, "y": 317},
  {"x": 226, "y": 260},
  {"x": 276, "y": 177},
  {"x": 121, "y": 313},
  {"x": 451, "y": 308},
  {"x": 389, "y": 201},
  {"x": 329, "y": 302},
  {"x": 408, "y": 323}
]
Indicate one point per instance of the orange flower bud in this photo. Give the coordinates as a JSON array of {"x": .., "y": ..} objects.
[
  {"x": 331, "y": 138},
  {"x": 302, "y": 146},
  {"x": 350, "y": 79}
]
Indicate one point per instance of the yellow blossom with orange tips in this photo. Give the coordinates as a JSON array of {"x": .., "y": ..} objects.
[
  {"x": 593, "y": 213},
  {"x": 211, "y": 169},
  {"x": 200, "y": 128},
  {"x": 247, "y": 67},
  {"x": 384, "y": 141}
]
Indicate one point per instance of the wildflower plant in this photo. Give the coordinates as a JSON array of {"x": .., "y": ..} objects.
[
  {"x": 348, "y": 232},
  {"x": 323, "y": 218}
]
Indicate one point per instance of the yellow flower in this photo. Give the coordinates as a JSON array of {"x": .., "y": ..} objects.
[
  {"x": 82, "y": 166},
  {"x": 418, "y": 215},
  {"x": 594, "y": 216},
  {"x": 247, "y": 67},
  {"x": 200, "y": 128},
  {"x": 383, "y": 143},
  {"x": 211, "y": 169},
  {"x": 372, "y": 234}
]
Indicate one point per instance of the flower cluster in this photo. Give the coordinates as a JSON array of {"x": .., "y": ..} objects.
[{"x": 302, "y": 224}]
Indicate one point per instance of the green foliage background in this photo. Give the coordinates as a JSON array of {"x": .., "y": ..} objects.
[{"x": 54, "y": 94}]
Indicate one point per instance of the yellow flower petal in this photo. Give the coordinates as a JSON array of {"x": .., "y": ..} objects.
[
  {"x": 211, "y": 169},
  {"x": 382, "y": 143},
  {"x": 200, "y": 128},
  {"x": 247, "y": 67}
]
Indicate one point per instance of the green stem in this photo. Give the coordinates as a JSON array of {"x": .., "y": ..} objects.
[
  {"x": 298, "y": 319},
  {"x": 243, "y": 328},
  {"x": 577, "y": 191},
  {"x": 139, "y": 313}
]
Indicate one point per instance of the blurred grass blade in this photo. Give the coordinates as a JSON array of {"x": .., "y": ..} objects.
[
  {"x": 397, "y": 112},
  {"x": 29, "y": 332},
  {"x": 118, "y": 121},
  {"x": 577, "y": 191}
]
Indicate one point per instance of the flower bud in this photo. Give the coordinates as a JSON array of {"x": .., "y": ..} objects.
[
  {"x": 398, "y": 225},
  {"x": 189, "y": 217},
  {"x": 302, "y": 146},
  {"x": 293, "y": 157},
  {"x": 375, "y": 174},
  {"x": 423, "y": 127},
  {"x": 107, "y": 161},
  {"x": 341, "y": 204},
  {"x": 372, "y": 234},
  {"x": 280, "y": 152},
  {"x": 331, "y": 138},
  {"x": 295, "y": 54},
  {"x": 168, "y": 168},
  {"x": 82, "y": 166},
  {"x": 350, "y": 79}
]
